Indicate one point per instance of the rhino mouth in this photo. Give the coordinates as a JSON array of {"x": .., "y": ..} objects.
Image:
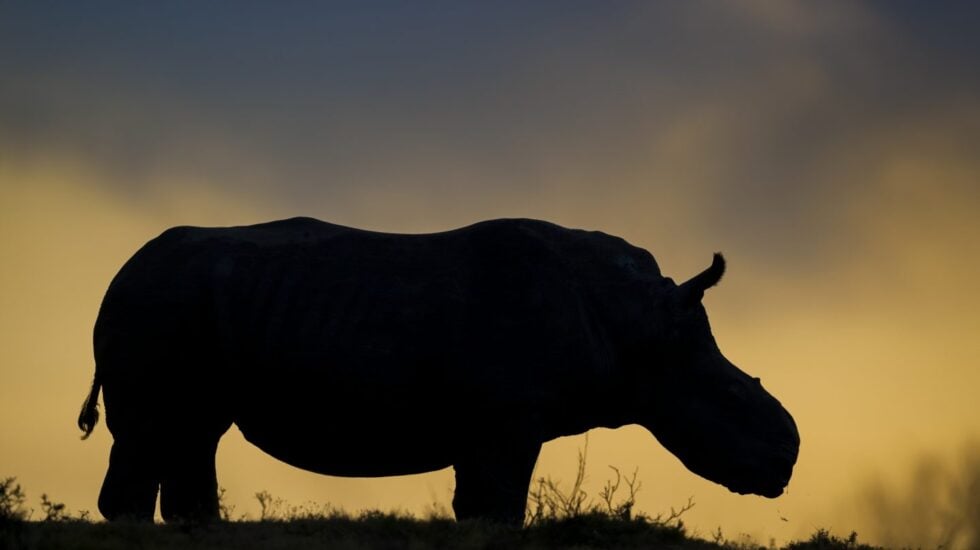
[
  {"x": 766, "y": 477},
  {"x": 769, "y": 483},
  {"x": 768, "y": 490}
]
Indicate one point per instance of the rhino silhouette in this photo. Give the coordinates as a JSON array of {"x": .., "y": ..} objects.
[{"x": 358, "y": 353}]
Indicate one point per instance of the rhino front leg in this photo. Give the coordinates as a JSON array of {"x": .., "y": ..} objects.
[{"x": 492, "y": 483}]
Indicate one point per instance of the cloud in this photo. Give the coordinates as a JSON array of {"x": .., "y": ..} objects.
[{"x": 732, "y": 111}]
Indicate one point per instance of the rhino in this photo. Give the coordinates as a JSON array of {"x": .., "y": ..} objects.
[{"x": 357, "y": 353}]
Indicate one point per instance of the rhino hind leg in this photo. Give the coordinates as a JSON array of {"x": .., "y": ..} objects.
[
  {"x": 129, "y": 491},
  {"x": 493, "y": 484},
  {"x": 189, "y": 484}
]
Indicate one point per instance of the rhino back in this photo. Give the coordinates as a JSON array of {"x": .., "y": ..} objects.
[{"x": 503, "y": 321}]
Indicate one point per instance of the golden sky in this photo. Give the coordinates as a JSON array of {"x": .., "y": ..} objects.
[{"x": 830, "y": 150}]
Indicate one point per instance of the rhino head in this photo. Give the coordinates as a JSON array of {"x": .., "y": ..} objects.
[{"x": 718, "y": 420}]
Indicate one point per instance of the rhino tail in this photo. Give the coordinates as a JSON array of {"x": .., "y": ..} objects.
[{"x": 89, "y": 417}]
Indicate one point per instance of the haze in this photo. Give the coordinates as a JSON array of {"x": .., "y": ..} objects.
[{"x": 829, "y": 149}]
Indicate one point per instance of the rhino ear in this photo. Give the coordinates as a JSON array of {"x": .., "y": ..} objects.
[{"x": 692, "y": 290}]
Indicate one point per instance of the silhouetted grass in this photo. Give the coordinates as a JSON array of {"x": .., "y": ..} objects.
[
  {"x": 557, "y": 518},
  {"x": 377, "y": 531},
  {"x": 825, "y": 539},
  {"x": 286, "y": 527}
]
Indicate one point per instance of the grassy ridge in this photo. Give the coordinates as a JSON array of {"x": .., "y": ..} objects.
[
  {"x": 557, "y": 518},
  {"x": 377, "y": 531}
]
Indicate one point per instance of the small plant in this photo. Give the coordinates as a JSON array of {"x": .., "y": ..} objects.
[
  {"x": 312, "y": 511},
  {"x": 717, "y": 536},
  {"x": 271, "y": 509},
  {"x": 54, "y": 511},
  {"x": 225, "y": 510},
  {"x": 673, "y": 519},
  {"x": 547, "y": 501},
  {"x": 12, "y": 499},
  {"x": 624, "y": 509},
  {"x": 276, "y": 509}
]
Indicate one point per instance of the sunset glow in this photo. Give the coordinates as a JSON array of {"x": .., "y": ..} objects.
[{"x": 829, "y": 150}]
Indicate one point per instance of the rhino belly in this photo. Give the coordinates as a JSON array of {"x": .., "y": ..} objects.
[{"x": 360, "y": 431}]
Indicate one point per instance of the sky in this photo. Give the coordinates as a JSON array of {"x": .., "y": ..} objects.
[{"x": 829, "y": 149}]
